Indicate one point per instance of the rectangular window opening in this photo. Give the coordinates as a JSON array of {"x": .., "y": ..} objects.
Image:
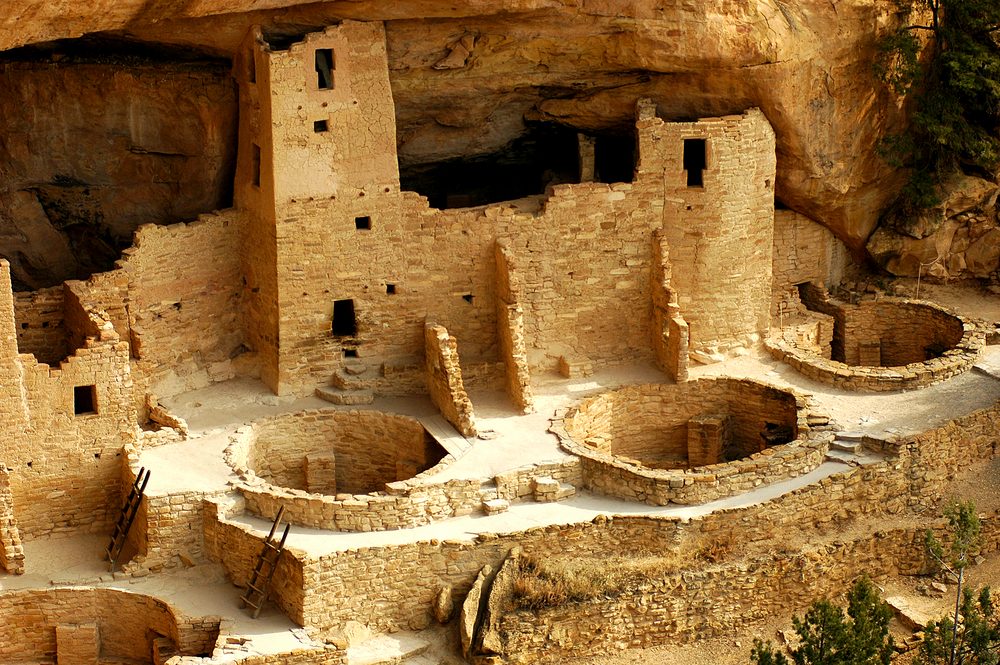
[
  {"x": 345, "y": 323},
  {"x": 255, "y": 166},
  {"x": 468, "y": 297},
  {"x": 84, "y": 400},
  {"x": 320, "y": 126},
  {"x": 363, "y": 223},
  {"x": 324, "y": 68},
  {"x": 695, "y": 161},
  {"x": 350, "y": 353},
  {"x": 390, "y": 289}
]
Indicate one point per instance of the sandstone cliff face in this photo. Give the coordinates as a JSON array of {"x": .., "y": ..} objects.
[
  {"x": 91, "y": 150},
  {"x": 467, "y": 76},
  {"x": 958, "y": 239}
]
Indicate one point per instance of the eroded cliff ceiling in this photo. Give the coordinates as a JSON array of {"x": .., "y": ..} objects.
[{"x": 134, "y": 123}]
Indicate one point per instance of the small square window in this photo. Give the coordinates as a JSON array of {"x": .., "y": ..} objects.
[
  {"x": 468, "y": 297},
  {"x": 84, "y": 400},
  {"x": 363, "y": 223},
  {"x": 390, "y": 289},
  {"x": 350, "y": 353},
  {"x": 320, "y": 126}
]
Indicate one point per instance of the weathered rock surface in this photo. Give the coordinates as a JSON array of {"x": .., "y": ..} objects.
[
  {"x": 958, "y": 239},
  {"x": 92, "y": 148},
  {"x": 466, "y": 76}
]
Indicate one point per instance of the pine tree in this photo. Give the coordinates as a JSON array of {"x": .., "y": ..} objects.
[
  {"x": 950, "y": 65},
  {"x": 829, "y": 637}
]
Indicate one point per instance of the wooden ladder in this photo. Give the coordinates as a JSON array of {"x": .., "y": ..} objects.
[
  {"x": 267, "y": 563},
  {"x": 126, "y": 517}
]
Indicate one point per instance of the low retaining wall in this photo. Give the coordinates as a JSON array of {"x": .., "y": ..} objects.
[
  {"x": 897, "y": 330},
  {"x": 717, "y": 600},
  {"x": 395, "y": 587},
  {"x": 638, "y": 418},
  {"x": 110, "y": 623}
]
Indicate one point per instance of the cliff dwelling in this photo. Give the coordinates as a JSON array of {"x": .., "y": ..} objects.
[{"x": 321, "y": 324}]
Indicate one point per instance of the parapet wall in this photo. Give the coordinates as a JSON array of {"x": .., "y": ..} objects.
[
  {"x": 872, "y": 334},
  {"x": 719, "y": 599},
  {"x": 622, "y": 436},
  {"x": 41, "y": 331},
  {"x": 914, "y": 475},
  {"x": 123, "y": 625}
]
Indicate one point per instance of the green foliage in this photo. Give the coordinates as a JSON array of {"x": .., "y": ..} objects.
[
  {"x": 963, "y": 522},
  {"x": 950, "y": 66},
  {"x": 976, "y": 642},
  {"x": 829, "y": 637},
  {"x": 764, "y": 653}
]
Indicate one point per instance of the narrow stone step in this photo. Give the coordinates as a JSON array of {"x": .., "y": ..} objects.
[
  {"x": 548, "y": 489},
  {"x": 850, "y": 436},
  {"x": 842, "y": 456},
  {"x": 848, "y": 446},
  {"x": 349, "y": 378},
  {"x": 495, "y": 506},
  {"x": 346, "y": 397},
  {"x": 387, "y": 649}
]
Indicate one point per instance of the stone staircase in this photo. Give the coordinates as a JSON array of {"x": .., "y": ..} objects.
[
  {"x": 849, "y": 448},
  {"x": 352, "y": 384},
  {"x": 492, "y": 503},
  {"x": 548, "y": 489}
]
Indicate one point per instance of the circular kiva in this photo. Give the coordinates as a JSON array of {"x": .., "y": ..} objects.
[
  {"x": 344, "y": 470},
  {"x": 878, "y": 346},
  {"x": 96, "y": 625},
  {"x": 690, "y": 442}
]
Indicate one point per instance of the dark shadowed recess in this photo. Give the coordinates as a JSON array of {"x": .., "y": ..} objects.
[
  {"x": 99, "y": 135},
  {"x": 545, "y": 154}
]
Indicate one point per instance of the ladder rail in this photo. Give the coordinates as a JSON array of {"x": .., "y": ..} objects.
[
  {"x": 127, "y": 516},
  {"x": 258, "y": 587}
]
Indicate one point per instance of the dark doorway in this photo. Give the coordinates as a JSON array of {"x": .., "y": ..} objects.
[
  {"x": 345, "y": 323},
  {"x": 695, "y": 161},
  {"x": 614, "y": 157}
]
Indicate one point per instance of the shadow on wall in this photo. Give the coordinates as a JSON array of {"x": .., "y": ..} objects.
[
  {"x": 102, "y": 135},
  {"x": 546, "y": 154}
]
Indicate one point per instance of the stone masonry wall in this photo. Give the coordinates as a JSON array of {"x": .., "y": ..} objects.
[
  {"x": 185, "y": 298},
  {"x": 371, "y": 448},
  {"x": 650, "y": 423},
  {"x": 125, "y": 622},
  {"x": 510, "y": 331},
  {"x": 720, "y": 234},
  {"x": 394, "y": 587},
  {"x": 717, "y": 599},
  {"x": 881, "y": 322},
  {"x": 444, "y": 380},
  {"x": 40, "y": 330},
  {"x": 11, "y": 549},
  {"x": 928, "y": 322},
  {"x": 254, "y": 196},
  {"x": 804, "y": 251},
  {"x": 66, "y": 465},
  {"x": 238, "y": 550},
  {"x": 328, "y": 158}
]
